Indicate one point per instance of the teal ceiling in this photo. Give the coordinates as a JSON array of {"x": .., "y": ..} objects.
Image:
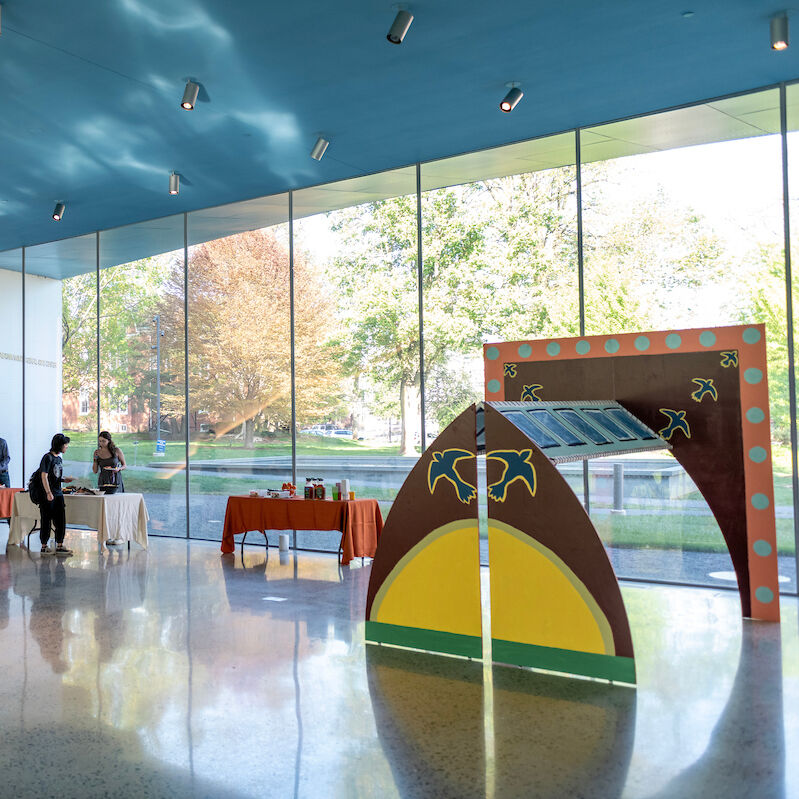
[{"x": 90, "y": 91}]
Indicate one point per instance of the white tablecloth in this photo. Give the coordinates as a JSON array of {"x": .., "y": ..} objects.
[{"x": 121, "y": 516}]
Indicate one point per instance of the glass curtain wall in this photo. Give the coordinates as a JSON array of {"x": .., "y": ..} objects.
[
  {"x": 11, "y": 363},
  {"x": 239, "y": 350},
  {"x": 682, "y": 225},
  {"x": 357, "y": 337},
  {"x": 142, "y": 364},
  {"x": 499, "y": 254}
]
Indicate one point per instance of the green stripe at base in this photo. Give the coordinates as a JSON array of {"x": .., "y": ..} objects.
[
  {"x": 468, "y": 646},
  {"x": 568, "y": 661}
]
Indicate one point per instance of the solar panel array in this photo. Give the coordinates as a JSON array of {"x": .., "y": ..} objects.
[{"x": 574, "y": 431}]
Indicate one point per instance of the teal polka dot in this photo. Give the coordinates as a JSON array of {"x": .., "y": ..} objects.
[
  {"x": 642, "y": 343},
  {"x": 759, "y": 501},
  {"x": 611, "y": 345},
  {"x": 525, "y": 350},
  {"x": 757, "y": 454},
  {"x": 755, "y": 415},
  {"x": 553, "y": 348},
  {"x": 493, "y": 386},
  {"x": 762, "y": 548},
  {"x": 582, "y": 347},
  {"x": 673, "y": 341},
  {"x": 707, "y": 338},
  {"x": 764, "y": 594},
  {"x": 751, "y": 335},
  {"x": 492, "y": 353},
  {"x": 753, "y": 376}
]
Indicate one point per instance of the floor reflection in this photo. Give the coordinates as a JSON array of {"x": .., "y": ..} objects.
[
  {"x": 753, "y": 716},
  {"x": 429, "y": 716},
  {"x": 177, "y": 672},
  {"x": 556, "y": 736}
]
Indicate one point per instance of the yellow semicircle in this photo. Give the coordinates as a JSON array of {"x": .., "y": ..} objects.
[
  {"x": 537, "y": 599},
  {"x": 436, "y": 585}
]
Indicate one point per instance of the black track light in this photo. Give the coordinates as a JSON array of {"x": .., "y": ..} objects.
[
  {"x": 779, "y": 32},
  {"x": 511, "y": 99},
  {"x": 400, "y": 25},
  {"x": 58, "y": 211},
  {"x": 190, "y": 96}
]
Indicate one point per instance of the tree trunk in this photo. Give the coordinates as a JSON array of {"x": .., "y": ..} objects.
[
  {"x": 409, "y": 401},
  {"x": 249, "y": 431}
]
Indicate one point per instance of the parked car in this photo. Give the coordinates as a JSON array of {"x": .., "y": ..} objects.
[{"x": 340, "y": 433}]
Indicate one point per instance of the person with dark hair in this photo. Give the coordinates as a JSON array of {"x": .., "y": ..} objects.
[
  {"x": 4, "y": 461},
  {"x": 107, "y": 463},
  {"x": 53, "y": 512}
]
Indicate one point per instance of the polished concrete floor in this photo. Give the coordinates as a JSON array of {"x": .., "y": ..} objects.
[{"x": 179, "y": 672}]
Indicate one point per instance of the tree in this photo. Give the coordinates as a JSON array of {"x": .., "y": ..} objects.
[
  {"x": 496, "y": 255},
  {"x": 763, "y": 300},
  {"x": 128, "y": 294},
  {"x": 239, "y": 332}
]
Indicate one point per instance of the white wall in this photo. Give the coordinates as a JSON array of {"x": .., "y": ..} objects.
[
  {"x": 11, "y": 369},
  {"x": 42, "y": 366}
]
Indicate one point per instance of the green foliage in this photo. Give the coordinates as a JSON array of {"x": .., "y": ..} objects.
[{"x": 763, "y": 300}]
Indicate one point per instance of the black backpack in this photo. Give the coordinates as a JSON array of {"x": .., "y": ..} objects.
[{"x": 36, "y": 489}]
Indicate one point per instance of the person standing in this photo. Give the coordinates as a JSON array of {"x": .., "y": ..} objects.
[
  {"x": 4, "y": 461},
  {"x": 52, "y": 508},
  {"x": 108, "y": 463}
]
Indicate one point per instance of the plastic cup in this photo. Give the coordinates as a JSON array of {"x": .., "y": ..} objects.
[{"x": 352, "y": 495}]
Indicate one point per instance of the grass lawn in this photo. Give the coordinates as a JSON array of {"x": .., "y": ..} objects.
[{"x": 83, "y": 445}]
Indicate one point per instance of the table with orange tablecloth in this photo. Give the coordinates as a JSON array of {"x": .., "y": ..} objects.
[
  {"x": 359, "y": 520},
  {"x": 7, "y": 501}
]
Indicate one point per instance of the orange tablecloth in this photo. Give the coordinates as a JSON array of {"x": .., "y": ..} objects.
[
  {"x": 359, "y": 520},
  {"x": 7, "y": 501}
]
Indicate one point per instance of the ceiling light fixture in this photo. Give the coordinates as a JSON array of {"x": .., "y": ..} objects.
[
  {"x": 174, "y": 183},
  {"x": 400, "y": 25},
  {"x": 58, "y": 211},
  {"x": 190, "y": 96},
  {"x": 511, "y": 99},
  {"x": 779, "y": 31},
  {"x": 319, "y": 148}
]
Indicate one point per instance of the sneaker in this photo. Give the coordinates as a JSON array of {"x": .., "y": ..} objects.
[
  {"x": 112, "y": 542},
  {"x": 62, "y": 550},
  {"x": 46, "y": 551}
]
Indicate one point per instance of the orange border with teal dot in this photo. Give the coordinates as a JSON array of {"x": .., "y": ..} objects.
[{"x": 750, "y": 342}]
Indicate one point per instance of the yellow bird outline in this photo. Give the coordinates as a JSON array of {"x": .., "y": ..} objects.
[
  {"x": 442, "y": 464},
  {"x": 677, "y": 421},
  {"x": 517, "y": 467},
  {"x": 706, "y": 389}
]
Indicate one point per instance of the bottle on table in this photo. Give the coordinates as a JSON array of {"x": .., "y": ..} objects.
[
  {"x": 320, "y": 488},
  {"x": 309, "y": 488}
]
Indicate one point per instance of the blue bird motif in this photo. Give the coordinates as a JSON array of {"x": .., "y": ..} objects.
[
  {"x": 677, "y": 421},
  {"x": 530, "y": 393},
  {"x": 517, "y": 467},
  {"x": 706, "y": 389},
  {"x": 442, "y": 464},
  {"x": 729, "y": 358},
  {"x": 510, "y": 370}
]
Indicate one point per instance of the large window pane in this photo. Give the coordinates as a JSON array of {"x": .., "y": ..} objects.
[
  {"x": 79, "y": 411},
  {"x": 142, "y": 371},
  {"x": 500, "y": 264},
  {"x": 683, "y": 228},
  {"x": 11, "y": 362},
  {"x": 357, "y": 336},
  {"x": 239, "y": 356}
]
